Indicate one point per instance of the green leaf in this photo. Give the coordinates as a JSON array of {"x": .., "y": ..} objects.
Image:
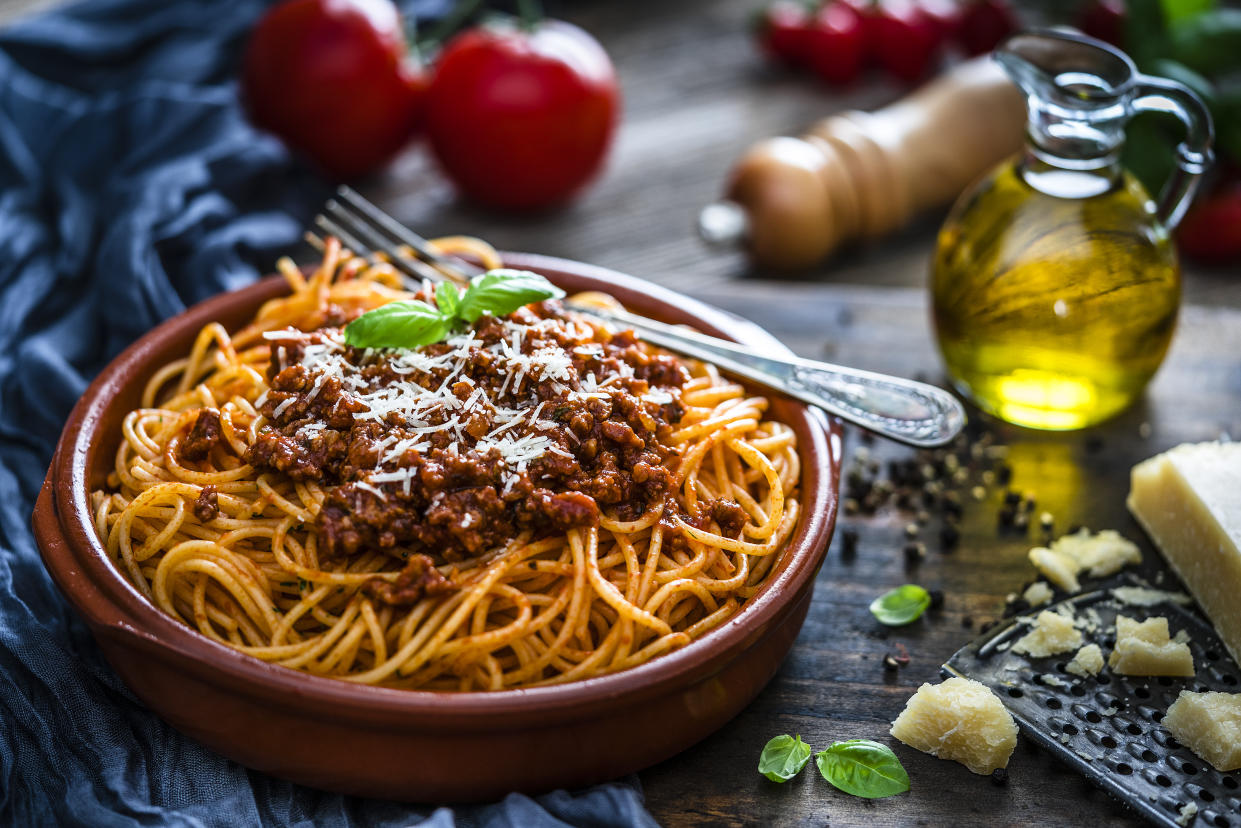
[
  {"x": 783, "y": 758},
  {"x": 447, "y": 299},
  {"x": 500, "y": 292},
  {"x": 863, "y": 768},
  {"x": 902, "y": 605},
  {"x": 1209, "y": 43},
  {"x": 1175, "y": 11},
  {"x": 398, "y": 325},
  {"x": 1146, "y": 31}
]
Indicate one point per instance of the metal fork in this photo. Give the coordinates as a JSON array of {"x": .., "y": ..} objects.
[{"x": 904, "y": 410}]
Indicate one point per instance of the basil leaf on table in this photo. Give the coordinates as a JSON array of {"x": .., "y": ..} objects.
[
  {"x": 783, "y": 758},
  {"x": 863, "y": 768},
  {"x": 398, "y": 325},
  {"x": 900, "y": 606},
  {"x": 500, "y": 292}
]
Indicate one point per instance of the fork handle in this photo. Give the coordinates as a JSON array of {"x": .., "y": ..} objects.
[{"x": 911, "y": 412}]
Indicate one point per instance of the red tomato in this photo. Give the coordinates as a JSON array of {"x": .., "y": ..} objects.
[
  {"x": 907, "y": 40},
  {"x": 984, "y": 25},
  {"x": 1211, "y": 230},
  {"x": 1104, "y": 19},
  {"x": 836, "y": 43},
  {"x": 783, "y": 30},
  {"x": 334, "y": 80},
  {"x": 522, "y": 118},
  {"x": 947, "y": 15}
]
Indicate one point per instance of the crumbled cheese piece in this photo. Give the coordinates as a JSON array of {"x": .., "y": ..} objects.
[
  {"x": 1146, "y": 597},
  {"x": 1053, "y": 633},
  {"x": 961, "y": 720},
  {"x": 1187, "y": 815},
  {"x": 1052, "y": 680},
  {"x": 1209, "y": 724},
  {"x": 1146, "y": 649},
  {"x": 1189, "y": 501},
  {"x": 1087, "y": 662},
  {"x": 1096, "y": 555},
  {"x": 1037, "y": 594}
]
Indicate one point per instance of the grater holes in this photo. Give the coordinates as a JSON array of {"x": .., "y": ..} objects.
[
  {"x": 1070, "y": 729},
  {"x": 1108, "y": 742},
  {"x": 1124, "y": 768},
  {"x": 1053, "y": 703},
  {"x": 1230, "y": 782},
  {"x": 1164, "y": 681},
  {"x": 1015, "y": 692},
  {"x": 1148, "y": 755},
  {"x": 1077, "y": 690},
  {"x": 1103, "y": 678},
  {"x": 1142, "y": 692},
  {"x": 1220, "y": 820}
]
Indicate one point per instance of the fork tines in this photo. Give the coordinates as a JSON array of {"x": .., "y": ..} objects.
[{"x": 367, "y": 230}]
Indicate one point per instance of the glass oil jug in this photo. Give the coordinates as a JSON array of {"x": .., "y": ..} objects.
[{"x": 1055, "y": 285}]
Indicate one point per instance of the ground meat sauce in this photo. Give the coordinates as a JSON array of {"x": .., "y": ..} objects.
[
  {"x": 207, "y": 506},
  {"x": 532, "y": 422},
  {"x": 203, "y": 436}
]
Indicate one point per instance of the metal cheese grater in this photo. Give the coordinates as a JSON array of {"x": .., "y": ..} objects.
[{"x": 1108, "y": 726}]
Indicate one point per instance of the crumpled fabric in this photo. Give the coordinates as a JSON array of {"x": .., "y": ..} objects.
[{"x": 131, "y": 186}]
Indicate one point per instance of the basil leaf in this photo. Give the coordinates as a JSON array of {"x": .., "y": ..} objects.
[
  {"x": 863, "y": 768},
  {"x": 900, "y": 606},
  {"x": 447, "y": 299},
  {"x": 500, "y": 292},
  {"x": 783, "y": 758},
  {"x": 398, "y": 325}
]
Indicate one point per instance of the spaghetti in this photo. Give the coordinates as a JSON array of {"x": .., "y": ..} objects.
[{"x": 535, "y": 500}]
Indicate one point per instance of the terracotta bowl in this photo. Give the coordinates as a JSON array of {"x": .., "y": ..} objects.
[{"x": 418, "y": 745}]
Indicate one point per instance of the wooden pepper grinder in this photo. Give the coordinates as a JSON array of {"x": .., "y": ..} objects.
[{"x": 860, "y": 175}]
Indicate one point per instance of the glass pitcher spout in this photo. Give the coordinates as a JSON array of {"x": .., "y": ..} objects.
[{"x": 1081, "y": 93}]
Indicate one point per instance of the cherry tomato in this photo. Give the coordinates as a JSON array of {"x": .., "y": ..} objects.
[
  {"x": 907, "y": 41},
  {"x": 783, "y": 29},
  {"x": 947, "y": 15},
  {"x": 333, "y": 79},
  {"x": 1104, "y": 19},
  {"x": 522, "y": 118},
  {"x": 984, "y": 25},
  {"x": 1211, "y": 230},
  {"x": 836, "y": 43}
]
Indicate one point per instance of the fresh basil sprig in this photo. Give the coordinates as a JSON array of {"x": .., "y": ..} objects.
[
  {"x": 900, "y": 606},
  {"x": 412, "y": 323},
  {"x": 863, "y": 768},
  {"x": 783, "y": 758}
]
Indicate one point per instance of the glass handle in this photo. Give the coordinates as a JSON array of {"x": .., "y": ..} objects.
[{"x": 1193, "y": 155}]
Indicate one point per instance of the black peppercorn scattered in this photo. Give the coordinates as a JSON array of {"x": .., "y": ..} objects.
[
  {"x": 890, "y": 664},
  {"x": 914, "y": 551},
  {"x": 949, "y": 537},
  {"x": 937, "y": 598}
]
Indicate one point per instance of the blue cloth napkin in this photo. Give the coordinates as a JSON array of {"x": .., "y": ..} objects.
[{"x": 131, "y": 186}]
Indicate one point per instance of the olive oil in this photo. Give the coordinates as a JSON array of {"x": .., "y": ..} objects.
[
  {"x": 1054, "y": 309},
  {"x": 1055, "y": 284}
]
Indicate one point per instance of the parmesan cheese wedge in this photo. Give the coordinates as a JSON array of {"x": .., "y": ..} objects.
[
  {"x": 962, "y": 720},
  {"x": 1209, "y": 724},
  {"x": 1189, "y": 501},
  {"x": 1146, "y": 649}
]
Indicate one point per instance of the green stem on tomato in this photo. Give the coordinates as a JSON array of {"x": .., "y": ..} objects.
[
  {"x": 448, "y": 25},
  {"x": 530, "y": 12}
]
